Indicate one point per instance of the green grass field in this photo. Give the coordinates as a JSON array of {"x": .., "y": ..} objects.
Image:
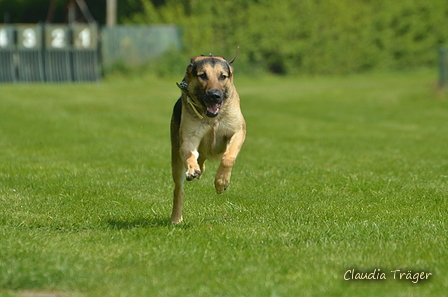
[{"x": 337, "y": 173}]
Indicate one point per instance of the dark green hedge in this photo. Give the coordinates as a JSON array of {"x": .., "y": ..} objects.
[{"x": 310, "y": 36}]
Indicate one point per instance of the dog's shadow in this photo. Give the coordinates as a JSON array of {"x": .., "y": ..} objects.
[{"x": 120, "y": 224}]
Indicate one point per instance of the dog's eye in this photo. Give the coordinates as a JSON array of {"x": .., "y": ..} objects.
[
  {"x": 223, "y": 77},
  {"x": 202, "y": 76}
]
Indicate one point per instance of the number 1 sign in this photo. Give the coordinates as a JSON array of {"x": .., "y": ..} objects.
[{"x": 84, "y": 37}]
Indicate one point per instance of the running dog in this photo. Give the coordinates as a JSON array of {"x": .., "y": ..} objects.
[{"x": 207, "y": 123}]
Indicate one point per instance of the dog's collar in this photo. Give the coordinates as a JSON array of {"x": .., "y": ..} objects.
[
  {"x": 193, "y": 106},
  {"x": 184, "y": 88}
]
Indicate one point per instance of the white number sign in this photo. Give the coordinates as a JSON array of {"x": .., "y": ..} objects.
[
  {"x": 84, "y": 38},
  {"x": 29, "y": 38},
  {"x": 3, "y": 38},
  {"x": 58, "y": 38}
]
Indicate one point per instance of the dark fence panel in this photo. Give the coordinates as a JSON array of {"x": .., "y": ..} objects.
[
  {"x": 135, "y": 45},
  {"x": 57, "y": 53},
  {"x": 7, "y": 49},
  {"x": 29, "y": 61},
  {"x": 65, "y": 53},
  {"x": 85, "y": 53}
]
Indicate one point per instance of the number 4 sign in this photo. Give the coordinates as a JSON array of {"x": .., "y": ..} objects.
[{"x": 4, "y": 40}]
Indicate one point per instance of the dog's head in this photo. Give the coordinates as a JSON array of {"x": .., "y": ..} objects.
[{"x": 209, "y": 81}]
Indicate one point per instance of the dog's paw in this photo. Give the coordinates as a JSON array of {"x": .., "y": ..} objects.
[
  {"x": 176, "y": 219},
  {"x": 221, "y": 185},
  {"x": 193, "y": 174}
]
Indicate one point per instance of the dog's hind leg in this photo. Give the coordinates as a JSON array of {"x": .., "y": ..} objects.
[
  {"x": 177, "y": 166},
  {"x": 178, "y": 178}
]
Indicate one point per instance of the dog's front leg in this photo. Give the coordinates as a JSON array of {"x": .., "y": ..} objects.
[
  {"x": 185, "y": 157},
  {"x": 190, "y": 156},
  {"x": 222, "y": 179}
]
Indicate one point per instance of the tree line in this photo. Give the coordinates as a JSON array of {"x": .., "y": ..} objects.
[
  {"x": 309, "y": 36},
  {"x": 292, "y": 36}
]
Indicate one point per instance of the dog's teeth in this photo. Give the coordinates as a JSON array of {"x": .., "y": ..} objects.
[{"x": 213, "y": 108}]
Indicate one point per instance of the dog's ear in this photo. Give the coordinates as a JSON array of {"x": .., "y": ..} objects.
[
  {"x": 190, "y": 66},
  {"x": 234, "y": 57},
  {"x": 189, "y": 70}
]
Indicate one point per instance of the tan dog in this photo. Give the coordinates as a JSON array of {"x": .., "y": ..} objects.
[{"x": 207, "y": 123}]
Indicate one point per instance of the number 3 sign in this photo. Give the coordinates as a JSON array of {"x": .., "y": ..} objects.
[{"x": 29, "y": 37}]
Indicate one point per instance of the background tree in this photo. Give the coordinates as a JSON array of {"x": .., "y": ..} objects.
[{"x": 288, "y": 36}]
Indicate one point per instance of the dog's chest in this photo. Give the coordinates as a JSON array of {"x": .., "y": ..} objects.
[{"x": 215, "y": 140}]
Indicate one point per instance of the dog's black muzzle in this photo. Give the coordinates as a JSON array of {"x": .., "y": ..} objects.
[{"x": 213, "y": 100}]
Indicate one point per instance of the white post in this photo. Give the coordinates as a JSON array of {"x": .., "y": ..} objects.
[{"x": 111, "y": 13}]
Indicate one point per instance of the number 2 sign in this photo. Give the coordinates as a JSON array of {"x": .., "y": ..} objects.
[{"x": 56, "y": 37}]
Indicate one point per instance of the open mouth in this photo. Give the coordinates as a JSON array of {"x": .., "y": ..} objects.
[{"x": 213, "y": 109}]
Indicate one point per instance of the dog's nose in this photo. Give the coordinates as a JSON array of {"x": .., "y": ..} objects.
[{"x": 215, "y": 95}]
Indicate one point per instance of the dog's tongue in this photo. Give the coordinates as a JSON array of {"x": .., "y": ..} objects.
[{"x": 213, "y": 108}]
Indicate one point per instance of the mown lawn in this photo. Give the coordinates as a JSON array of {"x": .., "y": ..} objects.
[{"x": 337, "y": 173}]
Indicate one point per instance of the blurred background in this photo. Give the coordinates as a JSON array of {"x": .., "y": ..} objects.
[{"x": 282, "y": 37}]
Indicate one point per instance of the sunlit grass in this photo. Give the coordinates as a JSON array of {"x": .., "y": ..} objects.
[{"x": 336, "y": 173}]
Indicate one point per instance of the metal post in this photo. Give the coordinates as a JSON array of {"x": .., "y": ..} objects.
[
  {"x": 111, "y": 13},
  {"x": 443, "y": 67}
]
